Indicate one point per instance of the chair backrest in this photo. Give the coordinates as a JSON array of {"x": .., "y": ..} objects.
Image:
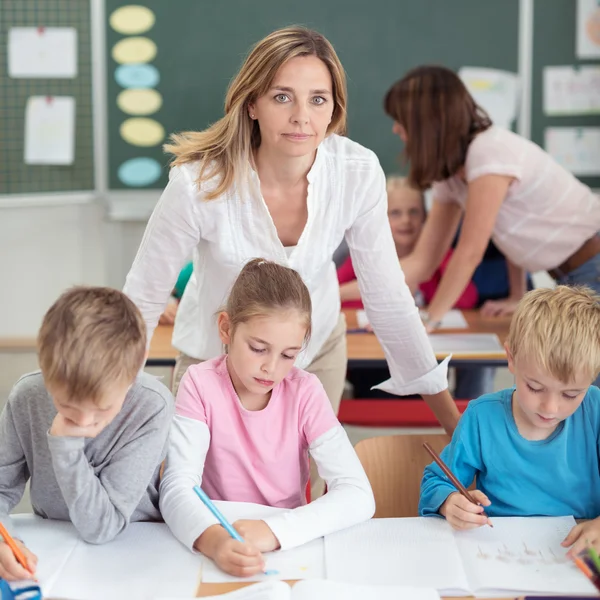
[{"x": 394, "y": 465}]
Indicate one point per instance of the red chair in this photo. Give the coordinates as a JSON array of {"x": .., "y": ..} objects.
[{"x": 390, "y": 413}]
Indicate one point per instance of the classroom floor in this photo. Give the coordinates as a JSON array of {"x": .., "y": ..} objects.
[{"x": 16, "y": 364}]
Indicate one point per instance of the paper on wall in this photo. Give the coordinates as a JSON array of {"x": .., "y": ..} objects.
[
  {"x": 588, "y": 29},
  {"x": 50, "y": 130},
  {"x": 46, "y": 52},
  {"x": 575, "y": 148},
  {"x": 572, "y": 91},
  {"x": 496, "y": 91}
]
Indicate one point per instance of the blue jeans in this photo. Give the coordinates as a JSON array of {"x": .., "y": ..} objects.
[{"x": 587, "y": 274}]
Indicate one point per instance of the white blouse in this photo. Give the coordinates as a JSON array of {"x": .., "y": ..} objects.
[{"x": 346, "y": 197}]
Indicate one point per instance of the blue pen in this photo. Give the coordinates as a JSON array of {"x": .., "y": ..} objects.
[{"x": 217, "y": 513}]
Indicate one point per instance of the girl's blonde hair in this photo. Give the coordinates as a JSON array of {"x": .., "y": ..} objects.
[
  {"x": 263, "y": 287},
  {"x": 225, "y": 148}
]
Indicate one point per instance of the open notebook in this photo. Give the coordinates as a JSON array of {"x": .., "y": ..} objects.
[
  {"x": 319, "y": 589},
  {"x": 133, "y": 566},
  {"x": 519, "y": 555}
]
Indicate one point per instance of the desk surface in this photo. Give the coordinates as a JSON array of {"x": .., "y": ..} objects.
[{"x": 362, "y": 347}]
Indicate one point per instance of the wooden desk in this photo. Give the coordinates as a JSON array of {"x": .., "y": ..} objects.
[
  {"x": 364, "y": 349},
  {"x": 18, "y": 345},
  {"x": 215, "y": 589}
]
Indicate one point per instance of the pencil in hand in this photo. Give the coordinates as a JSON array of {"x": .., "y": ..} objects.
[
  {"x": 10, "y": 542},
  {"x": 457, "y": 484}
]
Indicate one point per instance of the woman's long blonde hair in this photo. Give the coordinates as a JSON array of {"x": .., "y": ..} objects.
[{"x": 225, "y": 148}]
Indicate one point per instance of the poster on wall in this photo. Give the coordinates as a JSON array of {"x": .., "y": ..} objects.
[
  {"x": 575, "y": 148},
  {"x": 588, "y": 29},
  {"x": 572, "y": 90},
  {"x": 497, "y": 92}
]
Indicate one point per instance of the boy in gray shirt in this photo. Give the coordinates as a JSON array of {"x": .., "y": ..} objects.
[{"x": 90, "y": 431}]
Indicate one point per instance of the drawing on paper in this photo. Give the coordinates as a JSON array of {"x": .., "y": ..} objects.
[{"x": 527, "y": 554}]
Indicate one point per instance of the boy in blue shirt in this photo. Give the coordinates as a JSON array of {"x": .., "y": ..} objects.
[{"x": 533, "y": 449}]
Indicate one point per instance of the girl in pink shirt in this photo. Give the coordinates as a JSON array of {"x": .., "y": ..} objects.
[
  {"x": 245, "y": 424},
  {"x": 502, "y": 186}
]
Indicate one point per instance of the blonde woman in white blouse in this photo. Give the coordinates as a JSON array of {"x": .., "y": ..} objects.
[{"x": 274, "y": 178}]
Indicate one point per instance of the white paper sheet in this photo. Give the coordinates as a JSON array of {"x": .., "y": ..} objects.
[
  {"x": 396, "y": 552},
  {"x": 521, "y": 555},
  {"x": 453, "y": 319},
  {"x": 131, "y": 567},
  {"x": 588, "y": 29},
  {"x": 459, "y": 344},
  {"x": 575, "y": 148},
  {"x": 304, "y": 562},
  {"x": 572, "y": 91},
  {"x": 322, "y": 589},
  {"x": 50, "y": 130},
  {"x": 331, "y": 590},
  {"x": 495, "y": 91},
  {"x": 47, "y": 52},
  {"x": 268, "y": 590}
]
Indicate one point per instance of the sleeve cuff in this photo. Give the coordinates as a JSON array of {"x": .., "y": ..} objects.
[
  {"x": 434, "y": 382},
  {"x": 432, "y": 504},
  {"x": 283, "y": 532},
  {"x": 58, "y": 443}
]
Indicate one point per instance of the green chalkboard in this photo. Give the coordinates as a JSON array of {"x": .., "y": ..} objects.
[
  {"x": 554, "y": 45},
  {"x": 201, "y": 44},
  {"x": 15, "y": 176}
]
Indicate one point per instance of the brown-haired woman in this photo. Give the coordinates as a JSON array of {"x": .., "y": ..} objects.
[
  {"x": 275, "y": 179},
  {"x": 503, "y": 187}
]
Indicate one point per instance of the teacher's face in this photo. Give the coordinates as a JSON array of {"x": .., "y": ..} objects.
[{"x": 294, "y": 114}]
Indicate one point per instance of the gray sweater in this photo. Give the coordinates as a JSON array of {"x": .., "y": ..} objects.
[{"x": 100, "y": 484}]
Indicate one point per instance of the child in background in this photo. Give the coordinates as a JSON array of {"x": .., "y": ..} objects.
[
  {"x": 89, "y": 431},
  {"x": 533, "y": 449},
  {"x": 244, "y": 426},
  {"x": 407, "y": 215}
]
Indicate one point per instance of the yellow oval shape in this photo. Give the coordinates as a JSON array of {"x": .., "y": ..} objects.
[
  {"x": 139, "y": 101},
  {"x": 142, "y": 132},
  {"x": 132, "y": 19},
  {"x": 134, "y": 50}
]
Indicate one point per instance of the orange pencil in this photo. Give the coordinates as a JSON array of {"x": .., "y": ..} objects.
[
  {"x": 457, "y": 484},
  {"x": 13, "y": 546}
]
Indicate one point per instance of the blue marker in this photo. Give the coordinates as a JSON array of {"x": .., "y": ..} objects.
[
  {"x": 224, "y": 522},
  {"x": 217, "y": 513}
]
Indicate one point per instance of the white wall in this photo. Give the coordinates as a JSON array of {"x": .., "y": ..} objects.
[{"x": 44, "y": 250}]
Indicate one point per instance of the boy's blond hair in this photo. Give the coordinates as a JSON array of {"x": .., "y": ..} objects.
[
  {"x": 559, "y": 329},
  {"x": 91, "y": 338}
]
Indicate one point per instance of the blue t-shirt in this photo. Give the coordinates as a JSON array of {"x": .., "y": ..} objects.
[{"x": 556, "y": 476}]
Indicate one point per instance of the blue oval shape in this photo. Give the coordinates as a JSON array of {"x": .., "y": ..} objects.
[
  {"x": 138, "y": 172},
  {"x": 137, "y": 76}
]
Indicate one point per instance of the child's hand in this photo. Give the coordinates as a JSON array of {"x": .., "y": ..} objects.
[
  {"x": 583, "y": 535},
  {"x": 462, "y": 514},
  {"x": 62, "y": 427},
  {"x": 11, "y": 569},
  {"x": 240, "y": 559},
  {"x": 257, "y": 533}
]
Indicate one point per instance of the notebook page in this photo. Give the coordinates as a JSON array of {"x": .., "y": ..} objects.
[
  {"x": 52, "y": 542},
  {"x": 453, "y": 319},
  {"x": 397, "y": 552},
  {"x": 304, "y": 562},
  {"x": 268, "y": 590},
  {"x": 465, "y": 343},
  {"x": 521, "y": 554},
  {"x": 142, "y": 562},
  {"x": 320, "y": 589}
]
